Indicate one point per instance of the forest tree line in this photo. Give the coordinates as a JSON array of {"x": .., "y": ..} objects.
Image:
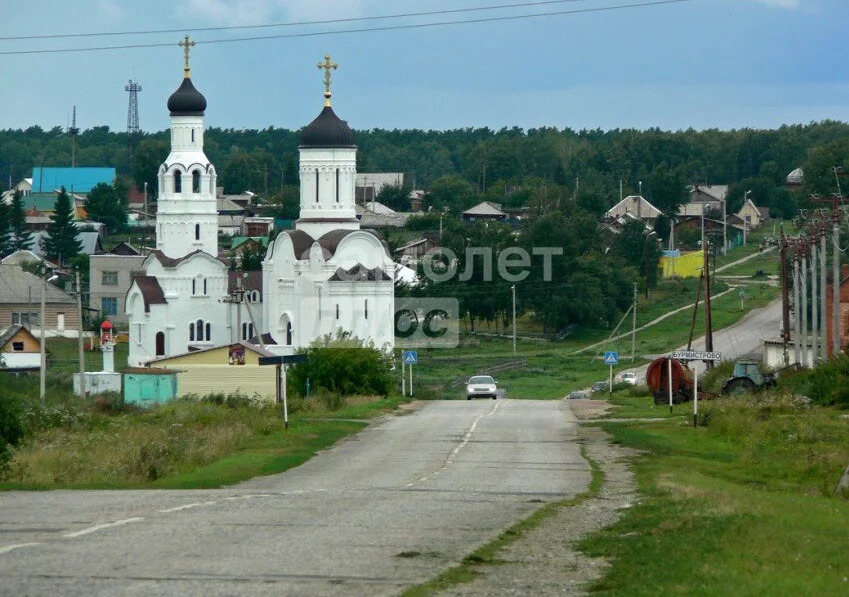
[{"x": 465, "y": 165}]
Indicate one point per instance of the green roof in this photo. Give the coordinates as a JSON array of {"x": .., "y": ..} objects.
[{"x": 239, "y": 240}]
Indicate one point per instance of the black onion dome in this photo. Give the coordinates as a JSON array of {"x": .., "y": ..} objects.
[
  {"x": 187, "y": 101},
  {"x": 327, "y": 130}
]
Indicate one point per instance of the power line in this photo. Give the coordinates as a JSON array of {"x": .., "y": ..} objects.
[
  {"x": 288, "y": 24},
  {"x": 360, "y": 30}
]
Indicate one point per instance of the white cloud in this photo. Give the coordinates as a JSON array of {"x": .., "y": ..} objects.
[
  {"x": 258, "y": 12},
  {"x": 787, "y": 4}
]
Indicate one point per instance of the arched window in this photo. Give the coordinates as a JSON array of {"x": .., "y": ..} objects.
[
  {"x": 337, "y": 310},
  {"x": 337, "y": 185},
  {"x": 316, "y": 186},
  {"x": 288, "y": 333},
  {"x": 196, "y": 180},
  {"x": 204, "y": 286},
  {"x": 191, "y": 332},
  {"x": 178, "y": 182},
  {"x": 194, "y": 288},
  {"x": 197, "y": 231},
  {"x": 160, "y": 344},
  {"x": 193, "y": 135},
  {"x": 365, "y": 308},
  {"x": 208, "y": 332},
  {"x": 254, "y": 296},
  {"x": 200, "y": 330},
  {"x": 247, "y": 331}
]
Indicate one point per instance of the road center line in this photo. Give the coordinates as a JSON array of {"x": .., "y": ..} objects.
[
  {"x": 186, "y": 507},
  {"x": 460, "y": 446},
  {"x": 9, "y": 548},
  {"x": 99, "y": 527}
]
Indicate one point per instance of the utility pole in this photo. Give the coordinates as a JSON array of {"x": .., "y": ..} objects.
[
  {"x": 74, "y": 131},
  {"x": 824, "y": 291},
  {"x": 42, "y": 381},
  {"x": 804, "y": 304},
  {"x": 724, "y": 228},
  {"x": 785, "y": 297},
  {"x": 80, "y": 352},
  {"x": 513, "y": 288},
  {"x": 634, "y": 326},
  {"x": 814, "y": 322},
  {"x": 708, "y": 323},
  {"x": 835, "y": 201},
  {"x": 797, "y": 348}
]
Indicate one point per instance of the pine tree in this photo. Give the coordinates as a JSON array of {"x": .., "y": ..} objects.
[
  {"x": 20, "y": 237},
  {"x": 5, "y": 245},
  {"x": 63, "y": 241}
]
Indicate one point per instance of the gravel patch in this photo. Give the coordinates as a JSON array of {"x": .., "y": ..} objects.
[{"x": 543, "y": 561}]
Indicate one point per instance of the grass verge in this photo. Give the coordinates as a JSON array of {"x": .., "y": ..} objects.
[
  {"x": 184, "y": 444},
  {"x": 487, "y": 555},
  {"x": 740, "y": 506}
]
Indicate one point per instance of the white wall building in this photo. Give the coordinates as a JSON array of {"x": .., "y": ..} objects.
[
  {"x": 182, "y": 301},
  {"x": 328, "y": 274}
]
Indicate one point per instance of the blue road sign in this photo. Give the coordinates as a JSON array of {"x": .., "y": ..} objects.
[
  {"x": 411, "y": 357},
  {"x": 611, "y": 357}
]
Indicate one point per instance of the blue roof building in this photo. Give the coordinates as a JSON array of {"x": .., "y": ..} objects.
[{"x": 75, "y": 180}]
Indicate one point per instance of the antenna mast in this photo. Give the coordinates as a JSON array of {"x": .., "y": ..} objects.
[
  {"x": 74, "y": 131},
  {"x": 133, "y": 88}
]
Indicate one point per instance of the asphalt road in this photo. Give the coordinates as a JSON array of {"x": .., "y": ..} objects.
[
  {"x": 744, "y": 338},
  {"x": 387, "y": 508}
]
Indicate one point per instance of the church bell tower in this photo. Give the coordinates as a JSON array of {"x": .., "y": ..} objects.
[{"x": 187, "y": 216}]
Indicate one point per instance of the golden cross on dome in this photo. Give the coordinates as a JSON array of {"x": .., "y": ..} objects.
[
  {"x": 327, "y": 65},
  {"x": 186, "y": 44}
]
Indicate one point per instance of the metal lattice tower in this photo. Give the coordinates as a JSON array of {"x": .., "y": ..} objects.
[
  {"x": 74, "y": 131},
  {"x": 133, "y": 88},
  {"x": 133, "y": 112}
]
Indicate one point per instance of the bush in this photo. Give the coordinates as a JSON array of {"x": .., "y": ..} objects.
[
  {"x": 11, "y": 428},
  {"x": 343, "y": 365},
  {"x": 828, "y": 384},
  {"x": 639, "y": 391}
]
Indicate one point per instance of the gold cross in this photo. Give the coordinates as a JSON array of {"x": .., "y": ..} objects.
[
  {"x": 186, "y": 44},
  {"x": 327, "y": 65}
]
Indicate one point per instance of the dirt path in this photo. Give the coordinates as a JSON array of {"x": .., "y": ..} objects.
[{"x": 543, "y": 561}]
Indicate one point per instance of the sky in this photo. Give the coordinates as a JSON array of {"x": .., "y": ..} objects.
[{"x": 689, "y": 64}]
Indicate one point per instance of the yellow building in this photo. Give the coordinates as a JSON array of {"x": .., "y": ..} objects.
[
  {"x": 751, "y": 214},
  {"x": 687, "y": 265},
  {"x": 232, "y": 368}
]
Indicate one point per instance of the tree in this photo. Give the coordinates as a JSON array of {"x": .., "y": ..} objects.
[
  {"x": 450, "y": 191},
  {"x": 4, "y": 230},
  {"x": 63, "y": 241},
  {"x": 251, "y": 259},
  {"x": 20, "y": 237},
  {"x": 343, "y": 364},
  {"x": 104, "y": 204},
  {"x": 668, "y": 189},
  {"x": 146, "y": 161},
  {"x": 394, "y": 196}
]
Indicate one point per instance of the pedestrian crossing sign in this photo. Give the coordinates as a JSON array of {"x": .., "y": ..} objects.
[
  {"x": 411, "y": 357},
  {"x": 611, "y": 357}
]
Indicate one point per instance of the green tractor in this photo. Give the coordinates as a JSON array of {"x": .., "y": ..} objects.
[{"x": 747, "y": 377}]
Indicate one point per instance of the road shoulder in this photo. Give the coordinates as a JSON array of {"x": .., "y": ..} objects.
[{"x": 543, "y": 560}]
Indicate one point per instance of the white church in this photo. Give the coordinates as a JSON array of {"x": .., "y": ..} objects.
[{"x": 327, "y": 276}]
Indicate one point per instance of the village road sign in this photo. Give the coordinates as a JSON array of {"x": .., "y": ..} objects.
[
  {"x": 289, "y": 359},
  {"x": 696, "y": 355},
  {"x": 611, "y": 357},
  {"x": 411, "y": 357}
]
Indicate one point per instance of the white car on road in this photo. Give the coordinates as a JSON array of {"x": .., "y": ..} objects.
[
  {"x": 481, "y": 386},
  {"x": 629, "y": 377}
]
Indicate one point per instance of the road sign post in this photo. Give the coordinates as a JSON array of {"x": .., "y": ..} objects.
[
  {"x": 669, "y": 381},
  {"x": 695, "y": 398},
  {"x": 409, "y": 358},
  {"x": 611, "y": 357},
  {"x": 280, "y": 363}
]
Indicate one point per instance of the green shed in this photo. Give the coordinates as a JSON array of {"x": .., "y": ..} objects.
[{"x": 147, "y": 386}]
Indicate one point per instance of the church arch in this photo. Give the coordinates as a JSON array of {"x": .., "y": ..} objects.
[{"x": 285, "y": 327}]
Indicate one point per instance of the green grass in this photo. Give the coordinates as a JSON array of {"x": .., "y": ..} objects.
[
  {"x": 488, "y": 555},
  {"x": 740, "y": 507},
  {"x": 74, "y": 444},
  {"x": 768, "y": 263}
]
